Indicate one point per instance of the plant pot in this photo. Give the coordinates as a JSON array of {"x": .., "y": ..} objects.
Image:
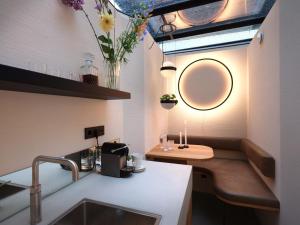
[{"x": 168, "y": 104}]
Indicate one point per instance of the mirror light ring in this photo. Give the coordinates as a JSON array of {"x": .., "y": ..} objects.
[{"x": 231, "y": 84}]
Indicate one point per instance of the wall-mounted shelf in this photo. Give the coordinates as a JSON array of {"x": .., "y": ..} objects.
[{"x": 15, "y": 79}]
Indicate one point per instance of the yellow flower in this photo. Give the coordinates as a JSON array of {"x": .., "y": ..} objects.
[{"x": 107, "y": 22}]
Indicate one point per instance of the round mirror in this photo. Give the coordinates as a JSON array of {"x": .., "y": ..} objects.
[{"x": 205, "y": 84}]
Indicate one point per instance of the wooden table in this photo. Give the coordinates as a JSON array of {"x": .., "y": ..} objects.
[{"x": 194, "y": 152}]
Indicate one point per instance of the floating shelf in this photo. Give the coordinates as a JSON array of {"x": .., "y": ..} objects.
[{"x": 15, "y": 79}]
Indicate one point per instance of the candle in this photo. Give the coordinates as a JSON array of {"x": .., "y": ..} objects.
[
  {"x": 185, "y": 133},
  {"x": 180, "y": 137}
]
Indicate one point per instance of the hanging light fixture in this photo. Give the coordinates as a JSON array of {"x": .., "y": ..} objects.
[{"x": 168, "y": 68}]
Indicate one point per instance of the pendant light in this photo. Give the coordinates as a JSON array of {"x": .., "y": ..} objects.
[
  {"x": 168, "y": 71},
  {"x": 167, "y": 68}
]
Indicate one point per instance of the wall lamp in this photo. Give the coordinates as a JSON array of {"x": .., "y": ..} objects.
[{"x": 205, "y": 84}]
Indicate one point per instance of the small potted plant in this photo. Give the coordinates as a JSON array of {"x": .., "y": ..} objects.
[{"x": 168, "y": 101}]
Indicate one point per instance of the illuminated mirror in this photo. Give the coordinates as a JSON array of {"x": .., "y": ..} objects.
[{"x": 205, "y": 84}]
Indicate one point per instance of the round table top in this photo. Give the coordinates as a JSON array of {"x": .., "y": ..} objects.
[{"x": 194, "y": 152}]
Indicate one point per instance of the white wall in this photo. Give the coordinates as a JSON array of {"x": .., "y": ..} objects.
[
  {"x": 33, "y": 124},
  {"x": 156, "y": 118},
  {"x": 274, "y": 110},
  {"x": 263, "y": 126},
  {"x": 47, "y": 32},
  {"x": 228, "y": 120},
  {"x": 290, "y": 110},
  {"x": 133, "y": 81},
  {"x": 145, "y": 119}
]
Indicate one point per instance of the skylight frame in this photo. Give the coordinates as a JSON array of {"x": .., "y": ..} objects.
[
  {"x": 236, "y": 22},
  {"x": 234, "y": 37}
]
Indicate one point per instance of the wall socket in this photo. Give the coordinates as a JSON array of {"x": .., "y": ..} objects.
[{"x": 92, "y": 132}]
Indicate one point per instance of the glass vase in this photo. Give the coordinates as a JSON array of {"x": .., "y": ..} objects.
[{"x": 112, "y": 79}]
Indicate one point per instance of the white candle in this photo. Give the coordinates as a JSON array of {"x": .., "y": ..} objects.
[
  {"x": 185, "y": 133},
  {"x": 180, "y": 137}
]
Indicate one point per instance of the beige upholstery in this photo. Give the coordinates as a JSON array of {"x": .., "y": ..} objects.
[
  {"x": 235, "y": 181},
  {"x": 236, "y": 148},
  {"x": 263, "y": 161},
  {"x": 233, "y": 144}
]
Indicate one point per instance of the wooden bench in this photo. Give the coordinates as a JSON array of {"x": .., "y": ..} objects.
[{"x": 233, "y": 171}]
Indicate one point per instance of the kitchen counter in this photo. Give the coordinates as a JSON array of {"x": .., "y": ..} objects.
[
  {"x": 164, "y": 189},
  {"x": 52, "y": 179}
]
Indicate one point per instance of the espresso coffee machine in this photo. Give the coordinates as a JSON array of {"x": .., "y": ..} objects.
[{"x": 114, "y": 160}]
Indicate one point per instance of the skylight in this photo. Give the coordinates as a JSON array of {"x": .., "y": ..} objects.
[
  {"x": 197, "y": 17},
  {"x": 210, "y": 40},
  {"x": 116, "y": 5}
]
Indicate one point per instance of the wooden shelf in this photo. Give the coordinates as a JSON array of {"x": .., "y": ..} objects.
[{"x": 15, "y": 79}]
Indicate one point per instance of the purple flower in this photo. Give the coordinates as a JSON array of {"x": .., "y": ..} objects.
[
  {"x": 75, "y": 4},
  {"x": 98, "y": 7}
]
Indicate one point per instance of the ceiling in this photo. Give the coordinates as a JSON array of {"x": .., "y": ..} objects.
[{"x": 196, "y": 17}]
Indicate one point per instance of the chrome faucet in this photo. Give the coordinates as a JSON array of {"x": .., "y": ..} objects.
[{"x": 35, "y": 189}]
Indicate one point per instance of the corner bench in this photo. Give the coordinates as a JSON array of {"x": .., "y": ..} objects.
[
  {"x": 233, "y": 171},
  {"x": 235, "y": 182}
]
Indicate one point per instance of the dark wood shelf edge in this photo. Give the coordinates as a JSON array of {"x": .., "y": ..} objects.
[{"x": 20, "y": 80}]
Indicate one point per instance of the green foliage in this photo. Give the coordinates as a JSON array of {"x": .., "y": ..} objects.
[
  {"x": 168, "y": 97},
  {"x": 104, "y": 39},
  {"x": 117, "y": 49},
  {"x": 124, "y": 44}
]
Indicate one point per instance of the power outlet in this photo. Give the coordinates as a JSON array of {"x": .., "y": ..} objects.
[{"x": 92, "y": 132}]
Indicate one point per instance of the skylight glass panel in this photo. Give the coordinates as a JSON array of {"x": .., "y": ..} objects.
[
  {"x": 196, "y": 15},
  {"x": 217, "y": 38}
]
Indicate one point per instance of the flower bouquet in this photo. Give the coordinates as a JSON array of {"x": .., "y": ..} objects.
[{"x": 115, "y": 50}]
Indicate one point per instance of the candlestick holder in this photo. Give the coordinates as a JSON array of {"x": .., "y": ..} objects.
[{"x": 181, "y": 147}]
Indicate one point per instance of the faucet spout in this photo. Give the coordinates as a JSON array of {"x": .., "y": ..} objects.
[{"x": 35, "y": 189}]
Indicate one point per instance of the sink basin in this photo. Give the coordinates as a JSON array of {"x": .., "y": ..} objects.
[
  {"x": 10, "y": 189},
  {"x": 90, "y": 212}
]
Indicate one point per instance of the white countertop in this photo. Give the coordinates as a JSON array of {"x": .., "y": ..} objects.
[
  {"x": 52, "y": 178},
  {"x": 162, "y": 189}
]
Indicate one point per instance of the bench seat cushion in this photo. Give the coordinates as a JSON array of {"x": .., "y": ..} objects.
[
  {"x": 228, "y": 154},
  {"x": 262, "y": 160},
  {"x": 233, "y": 144},
  {"x": 236, "y": 182}
]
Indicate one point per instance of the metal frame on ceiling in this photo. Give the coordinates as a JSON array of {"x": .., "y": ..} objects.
[
  {"x": 180, "y": 6},
  {"x": 210, "y": 47},
  {"x": 211, "y": 27},
  {"x": 208, "y": 28}
]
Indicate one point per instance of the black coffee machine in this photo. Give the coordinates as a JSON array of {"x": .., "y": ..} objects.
[{"x": 114, "y": 160}]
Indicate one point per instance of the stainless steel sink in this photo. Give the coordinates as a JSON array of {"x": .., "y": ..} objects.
[
  {"x": 90, "y": 212},
  {"x": 10, "y": 189}
]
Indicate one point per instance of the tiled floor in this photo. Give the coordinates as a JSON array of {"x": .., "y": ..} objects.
[{"x": 208, "y": 210}]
